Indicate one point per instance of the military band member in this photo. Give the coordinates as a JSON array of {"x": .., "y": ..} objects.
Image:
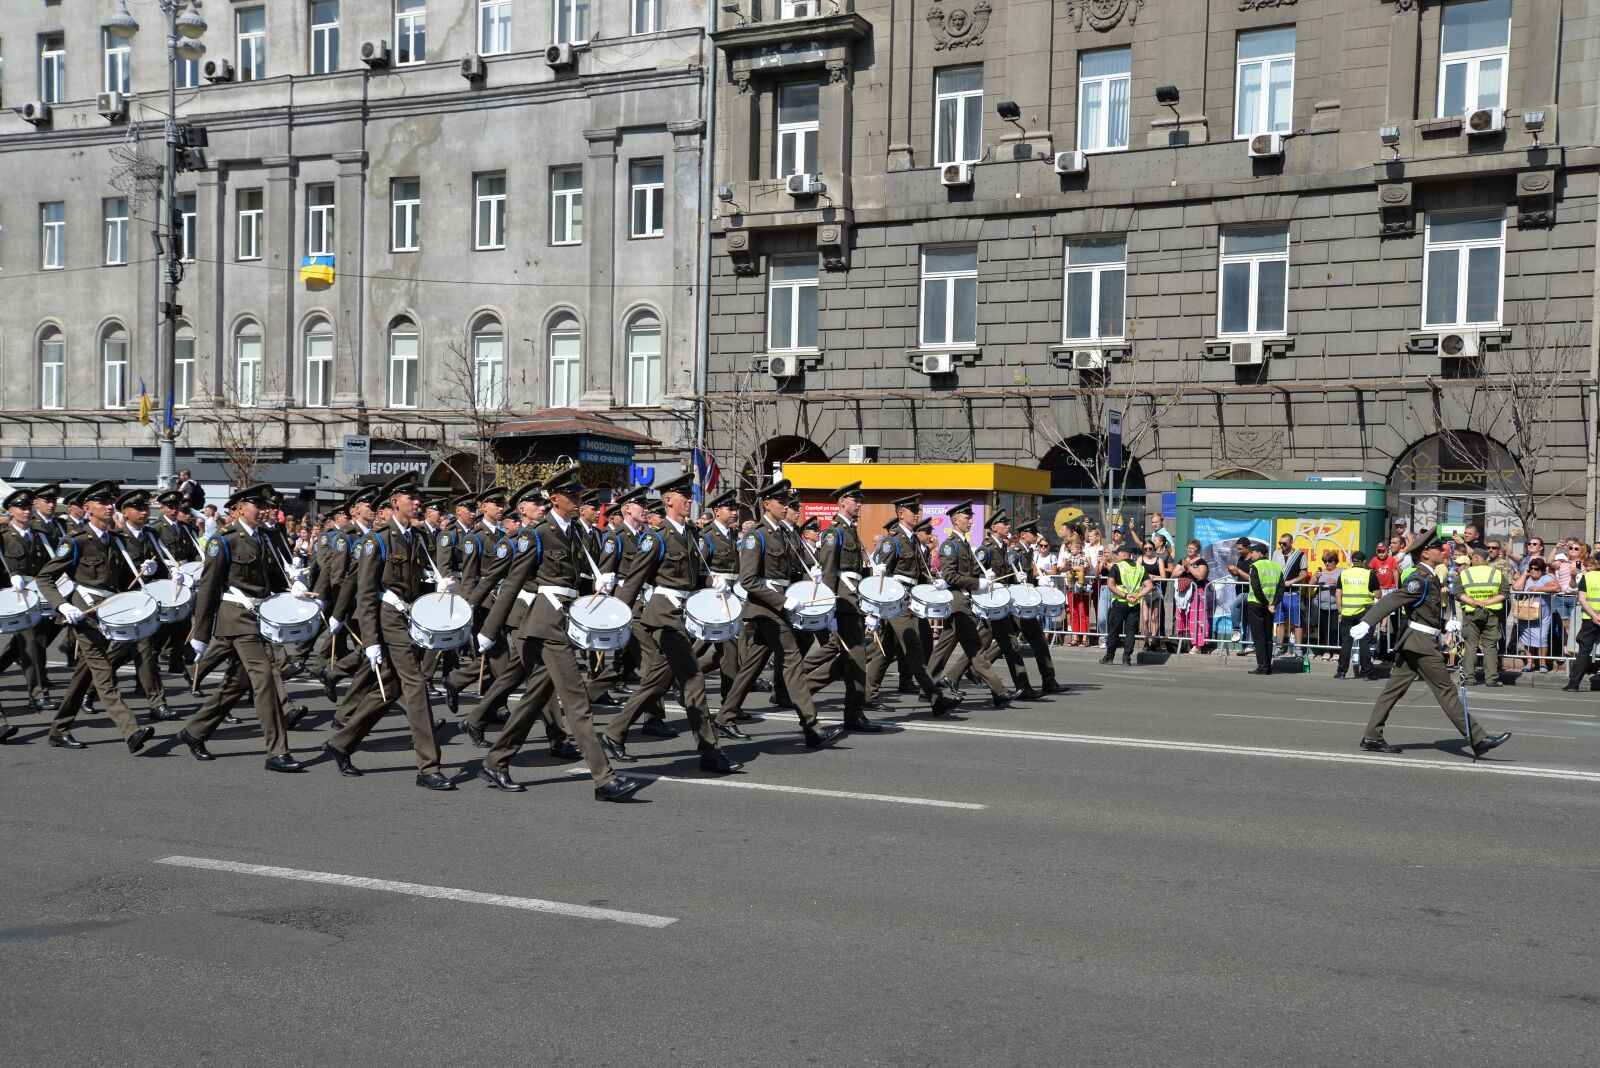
[
  {"x": 340, "y": 592},
  {"x": 1024, "y": 563},
  {"x": 172, "y": 531},
  {"x": 719, "y": 542},
  {"x": 900, "y": 637},
  {"x": 589, "y": 531},
  {"x": 844, "y": 564},
  {"x": 142, "y": 545},
  {"x": 960, "y": 572},
  {"x": 617, "y": 550},
  {"x": 1417, "y": 652},
  {"x": 26, "y": 554},
  {"x": 998, "y": 635},
  {"x": 470, "y": 549}
]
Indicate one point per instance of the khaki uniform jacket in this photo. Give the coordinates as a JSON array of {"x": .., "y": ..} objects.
[
  {"x": 87, "y": 561},
  {"x": 721, "y": 549},
  {"x": 841, "y": 551},
  {"x": 958, "y": 566},
  {"x": 25, "y": 555},
  {"x": 1422, "y": 595},
  {"x": 901, "y": 555},
  {"x": 550, "y": 558},
  {"x": 392, "y": 561},
  {"x": 235, "y": 560},
  {"x": 766, "y": 553},
  {"x": 667, "y": 559}
]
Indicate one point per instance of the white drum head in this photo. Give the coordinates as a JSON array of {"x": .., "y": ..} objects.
[
  {"x": 442, "y": 611},
  {"x": 126, "y": 609}
]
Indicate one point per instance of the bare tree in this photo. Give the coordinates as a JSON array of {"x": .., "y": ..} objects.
[
  {"x": 748, "y": 420},
  {"x": 249, "y": 428}
]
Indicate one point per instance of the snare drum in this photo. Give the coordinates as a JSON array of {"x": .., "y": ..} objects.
[
  {"x": 813, "y": 606},
  {"x": 441, "y": 621},
  {"x": 1026, "y": 602},
  {"x": 1051, "y": 601},
  {"x": 599, "y": 623},
  {"x": 128, "y": 617},
  {"x": 19, "y": 610},
  {"x": 713, "y": 617},
  {"x": 46, "y": 609},
  {"x": 996, "y": 604},
  {"x": 882, "y": 595},
  {"x": 173, "y": 602},
  {"x": 286, "y": 619},
  {"x": 193, "y": 569},
  {"x": 930, "y": 602}
]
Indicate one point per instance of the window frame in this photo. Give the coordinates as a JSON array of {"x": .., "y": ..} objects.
[
  {"x": 114, "y": 372},
  {"x": 52, "y": 236},
  {"x": 251, "y": 222},
  {"x": 255, "y": 69},
  {"x": 410, "y": 366},
  {"x": 409, "y": 209},
  {"x": 645, "y": 17},
  {"x": 114, "y": 227},
  {"x": 488, "y": 212},
  {"x": 318, "y": 363},
  {"x": 562, "y": 202},
  {"x": 805, "y": 135},
  {"x": 792, "y": 290},
  {"x": 654, "y": 363},
  {"x": 410, "y": 26},
  {"x": 53, "y": 373},
  {"x": 572, "y": 366},
  {"x": 958, "y": 100},
  {"x": 570, "y": 22},
  {"x": 1462, "y": 248},
  {"x": 188, "y": 226},
  {"x": 653, "y": 202},
  {"x": 322, "y": 237},
  {"x": 494, "y": 27},
  {"x": 949, "y": 279},
  {"x": 1261, "y": 123},
  {"x": 1255, "y": 260},
  {"x": 1096, "y": 273},
  {"x": 53, "y": 67},
  {"x": 325, "y": 40},
  {"x": 248, "y": 396},
  {"x": 489, "y": 395},
  {"x": 116, "y": 64},
  {"x": 183, "y": 367},
  {"x": 1105, "y": 82},
  {"x": 1473, "y": 59}
]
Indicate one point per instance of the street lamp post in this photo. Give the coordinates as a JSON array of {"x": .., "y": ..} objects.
[{"x": 183, "y": 33}]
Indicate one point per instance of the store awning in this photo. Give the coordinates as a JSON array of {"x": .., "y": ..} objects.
[
  {"x": 559, "y": 422},
  {"x": 938, "y": 478}
]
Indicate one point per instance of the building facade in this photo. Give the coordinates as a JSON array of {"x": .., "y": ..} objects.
[
  {"x": 509, "y": 194},
  {"x": 1283, "y": 238}
]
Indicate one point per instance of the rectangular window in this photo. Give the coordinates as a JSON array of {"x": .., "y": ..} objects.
[
  {"x": 565, "y": 378},
  {"x": 53, "y": 235},
  {"x": 248, "y": 245},
  {"x": 494, "y": 27},
  {"x": 410, "y": 31},
  {"x": 566, "y": 205},
  {"x": 116, "y": 73},
  {"x": 324, "y": 36},
  {"x": 247, "y": 369},
  {"x": 958, "y": 115},
  {"x": 405, "y": 203},
  {"x": 319, "y": 368},
  {"x": 1474, "y": 51},
  {"x": 1097, "y": 272},
  {"x": 187, "y": 227},
  {"x": 250, "y": 26},
  {"x": 797, "y": 129},
  {"x": 644, "y": 364},
  {"x": 188, "y": 73},
  {"x": 1462, "y": 268},
  {"x": 1264, "y": 82},
  {"x": 647, "y": 198},
  {"x": 53, "y": 68},
  {"x": 320, "y": 237},
  {"x": 792, "y": 304},
  {"x": 1103, "y": 79},
  {"x": 183, "y": 372},
  {"x": 572, "y": 21},
  {"x": 646, "y": 16},
  {"x": 114, "y": 224},
  {"x": 950, "y": 295},
  {"x": 53, "y": 373},
  {"x": 1254, "y": 287},
  {"x": 402, "y": 370},
  {"x": 114, "y": 386},
  {"x": 489, "y": 368},
  {"x": 488, "y": 211}
]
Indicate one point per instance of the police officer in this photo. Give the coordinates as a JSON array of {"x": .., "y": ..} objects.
[
  {"x": 1481, "y": 591},
  {"x": 1589, "y": 630},
  {"x": 1261, "y": 603},
  {"x": 1130, "y": 583},
  {"x": 900, "y": 637},
  {"x": 960, "y": 572},
  {"x": 1358, "y": 589},
  {"x": 26, "y": 554},
  {"x": 1416, "y": 650},
  {"x": 844, "y": 564}
]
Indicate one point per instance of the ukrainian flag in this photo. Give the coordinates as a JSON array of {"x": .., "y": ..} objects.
[{"x": 316, "y": 271}]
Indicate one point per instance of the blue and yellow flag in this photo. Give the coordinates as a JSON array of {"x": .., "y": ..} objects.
[{"x": 144, "y": 405}]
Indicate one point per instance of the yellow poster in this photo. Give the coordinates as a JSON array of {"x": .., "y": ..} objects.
[{"x": 1315, "y": 536}]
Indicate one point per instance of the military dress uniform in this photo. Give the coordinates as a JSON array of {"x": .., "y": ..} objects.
[
  {"x": 26, "y": 554},
  {"x": 617, "y": 550},
  {"x": 176, "y": 545},
  {"x": 900, "y": 637},
  {"x": 844, "y": 563},
  {"x": 1032, "y": 630},
  {"x": 998, "y": 636},
  {"x": 959, "y": 570},
  {"x": 720, "y": 545}
]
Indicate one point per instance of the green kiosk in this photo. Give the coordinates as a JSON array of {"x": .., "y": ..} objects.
[{"x": 1320, "y": 515}]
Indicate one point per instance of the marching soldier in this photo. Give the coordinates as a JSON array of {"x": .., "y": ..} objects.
[
  {"x": 768, "y": 565},
  {"x": 617, "y": 550},
  {"x": 1024, "y": 566},
  {"x": 26, "y": 554},
  {"x": 670, "y": 564},
  {"x": 844, "y": 565},
  {"x": 471, "y": 548},
  {"x": 1358, "y": 588},
  {"x": 240, "y": 572},
  {"x": 177, "y": 544},
  {"x": 92, "y": 569},
  {"x": 1130, "y": 582},
  {"x": 589, "y": 532},
  {"x": 998, "y": 636},
  {"x": 719, "y": 540},
  {"x": 1416, "y": 650},
  {"x": 142, "y": 545},
  {"x": 901, "y": 637},
  {"x": 1481, "y": 590},
  {"x": 960, "y": 572},
  {"x": 340, "y": 595}
]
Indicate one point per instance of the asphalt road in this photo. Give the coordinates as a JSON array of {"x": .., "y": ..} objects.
[{"x": 1177, "y": 864}]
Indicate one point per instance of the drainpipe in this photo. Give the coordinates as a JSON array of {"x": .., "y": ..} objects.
[{"x": 707, "y": 186}]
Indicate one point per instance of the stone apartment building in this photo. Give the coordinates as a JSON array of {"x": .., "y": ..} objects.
[
  {"x": 1287, "y": 238},
  {"x": 510, "y": 193}
]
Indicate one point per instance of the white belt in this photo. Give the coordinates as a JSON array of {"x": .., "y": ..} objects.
[
  {"x": 778, "y": 584},
  {"x": 677, "y": 597},
  {"x": 525, "y": 596},
  {"x": 88, "y": 591},
  {"x": 851, "y": 579},
  {"x": 236, "y": 597},
  {"x": 1423, "y": 629},
  {"x": 552, "y": 593},
  {"x": 729, "y": 575},
  {"x": 65, "y": 586},
  {"x": 393, "y": 600}
]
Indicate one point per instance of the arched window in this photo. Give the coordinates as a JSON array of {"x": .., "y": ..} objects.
[
  {"x": 566, "y": 362},
  {"x": 247, "y": 364},
  {"x": 644, "y": 361},
  {"x": 319, "y": 363},
  {"x": 52, "y": 369},
  {"x": 183, "y": 367},
  {"x": 403, "y": 363},
  {"x": 489, "y": 363},
  {"x": 114, "y": 367}
]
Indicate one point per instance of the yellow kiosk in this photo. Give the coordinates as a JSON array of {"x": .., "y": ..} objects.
[{"x": 1013, "y": 490}]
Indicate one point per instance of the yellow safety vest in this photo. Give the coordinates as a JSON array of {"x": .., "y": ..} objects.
[
  {"x": 1480, "y": 582},
  {"x": 1271, "y": 573},
  {"x": 1591, "y": 587},
  {"x": 1128, "y": 589},
  {"x": 1355, "y": 583}
]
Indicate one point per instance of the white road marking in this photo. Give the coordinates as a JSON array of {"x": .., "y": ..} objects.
[
  {"x": 1471, "y": 701},
  {"x": 745, "y": 784},
  {"x": 356, "y": 882},
  {"x": 1352, "y": 723}
]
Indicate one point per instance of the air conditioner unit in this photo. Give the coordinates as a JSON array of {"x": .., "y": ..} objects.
[
  {"x": 1266, "y": 146},
  {"x": 804, "y": 185},
  {"x": 1247, "y": 353},
  {"x": 36, "y": 112},
  {"x": 375, "y": 54},
  {"x": 560, "y": 57},
  {"x": 938, "y": 363},
  {"x": 863, "y": 454},
  {"x": 955, "y": 174},
  {"x": 1088, "y": 360},
  {"x": 783, "y": 366},
  {"x": 113, "y": 106},
  {"x": 1071, "y": 162},
  {"x": 1486, "y": 121},
  {"x": 801, "y": 9},
  {"x": 473, "y": 68},
  {"x": 217, "y": 70},
  {"x": 1460, "y": 345}
]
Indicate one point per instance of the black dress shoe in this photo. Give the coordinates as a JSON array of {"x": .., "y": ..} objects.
[
  {"x": 435, "y": 780},
  {"x": 42, "y": 704},
  {"x": 1054, "y": 687},
  {"x": 140, "y": 738},
  {"x": 1378, "y": 745},
  {"x": 944, "y": 704},
  {"x": 616, "y": 750},
  {"x": 658, "y": 728},
  {"x": 6, "y": 731},
  {"x": 761, "y": 686},
  {"x": 1127, "y": 661},
  {"x": 500, "y": 780},
  {"x": 285, "y": 762},
  {"x": 1105, "y": 659},
  {"x": 906, "y": 687},
  {"x": 293, "y": 715},
  {"x": 864, "y": 725},
  {"x": 717, "y": 763},
  {"x": 66, "y": 741},
  {"x": 340, "y": 761},
  {"x": 293, "y": 669},
  {"x": 1570, "y": 687},
  {"x": 1339, "y": 674},
  {"x": 1261, "y": 671},
  {"x": 1490, "y": 741},
  {"x": 956, "y": 692},
  {"x": 748, "y": 717},
  {"x": 330, "y": 689},
  {"x": 197, "y": 748},
  {"x": 605, "y": 700},
  {"x": 475, "y": 734},
  {"x": 783, "y": 702},
  {"x": 452, "y": 697},
  {"x": 618, "y": 789},
  {"x": 1028, "y": 693},
  {"x": 728, "y": 730},
  {"x": 566, "y": 749},
  {"x": 821, "y": 737},
  {"x": 338, "y": 724},
  {"x": 877, "y": 705},
  {"x": 232, "y": 720},
  {"x": 1003, "y": 700}
]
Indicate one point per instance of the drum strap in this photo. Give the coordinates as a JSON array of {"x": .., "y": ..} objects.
[
  {"x": 393, "y": 600},
  {"x": 236, "y": 597},
  {"x": 553, "y": 593},
  {"x": 90, "y": 593},
  {"x": 677, "y": 597}
]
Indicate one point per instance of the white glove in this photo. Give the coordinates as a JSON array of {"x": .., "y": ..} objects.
[
  {"x": 182, "y": 579},
  {"x": 297, "y": 574},
  {"x": 198, "y": 646},
  {"x": 1043, "y": 582},
  {"x": 816, "y": 574},
  {"x": 71, "y": 613},
  {"x": 148, "y": 568},
  {"x": 719, "y": 583},
  {"x": 18, "y": 583},
  {"x": 872, "y": 622},
  {"x": 334, "y": 626},
  {"x": 878, "y": 568},
  {"x": 941, "y": 584},
  {"x": 374, "y": 655},
  {"x": 606, "y": 583},
  {"x": 299, "y": 589},
  {"x": 1452, "y": 626},
  {"x": 1359, "y": 631},
  {"x": 985, "y": 585},
  {"x": 790, "y": 603},
  {"x": 485, "y": 643},
  {"x": 446, "y": 585}
]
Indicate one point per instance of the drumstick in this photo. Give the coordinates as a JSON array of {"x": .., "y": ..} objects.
[
  {"x": 377, "y": 669},
  {"x": 483, "y": 658}
]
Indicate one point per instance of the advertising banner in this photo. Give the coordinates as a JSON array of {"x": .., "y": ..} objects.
[
  {"x": 1216, "y": 538},
  {"x": 1315, "y": 536}
]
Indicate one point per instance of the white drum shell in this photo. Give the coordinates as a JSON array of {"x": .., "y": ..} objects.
[
  {"x": 996, "y": 604},
  {"x": 173, "y": 602},
  {"x": 440, "y": 621},
  {"x": 19, "y": 610},
  {"x": 815, "y": 608},
  {"x": 285, "y": 619},
  {"x": 707, "y": 616},
  {"x": 128, "y": 617},
  {"x": 193, "y": 569},
  {"x": 930, "y": 602},
  {"x": 46, "y": 609},
  {"x": 882, "y": 595},
  {"x": 1051, "y": 600},
  {"x": 599, "y": 623},
  {"x": 1026, "y": 603}
]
